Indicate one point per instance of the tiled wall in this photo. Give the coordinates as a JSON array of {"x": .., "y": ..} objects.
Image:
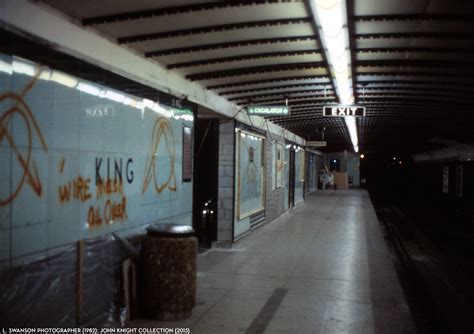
[
  {"x": 276, "y": 198},
  {"x": 79, "y": 160}
]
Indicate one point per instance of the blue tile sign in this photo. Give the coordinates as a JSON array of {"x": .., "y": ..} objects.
[
  {"x": 343, "y": 110},
  {"x": 268, "y": 110}
]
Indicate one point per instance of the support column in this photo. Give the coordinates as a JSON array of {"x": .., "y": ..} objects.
[{"x": 226, "y": 183}]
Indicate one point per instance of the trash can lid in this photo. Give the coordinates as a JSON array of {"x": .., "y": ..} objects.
[{"x": 170, "y": 229}]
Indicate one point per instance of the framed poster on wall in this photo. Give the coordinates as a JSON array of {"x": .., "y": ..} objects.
[
  {"x": 250, "y": 174},
  {"x": 279, "y": 165},
  {"x": 459, "y": 181},
  {"x": 445, "y": 180},
  {"x": 187, "y": 154},
  {"x": 302, "y": 165}
]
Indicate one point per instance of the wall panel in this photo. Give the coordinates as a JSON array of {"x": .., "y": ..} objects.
[{"x": 80, "y": 160}]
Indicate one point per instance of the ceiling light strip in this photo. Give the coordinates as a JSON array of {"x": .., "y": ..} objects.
[{"x": 331, "y": 20}]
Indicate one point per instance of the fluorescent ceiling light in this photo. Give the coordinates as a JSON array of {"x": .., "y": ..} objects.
[
  {"x": 352, "y": 128},
  {"x": 340, "y": 64},
  {"x": 336, "y": 46},
  {"x": 331, "y": 17}
]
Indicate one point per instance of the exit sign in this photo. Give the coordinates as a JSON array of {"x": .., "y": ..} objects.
[{"x": 343, "y": 111}]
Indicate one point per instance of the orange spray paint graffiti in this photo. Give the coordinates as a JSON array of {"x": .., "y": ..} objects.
[
  {"x": 78, "y": 189},
  {"x": 20, "y": 108},
  {"x": 162, "y": 129},
  {"x": 111, "y": 212}
]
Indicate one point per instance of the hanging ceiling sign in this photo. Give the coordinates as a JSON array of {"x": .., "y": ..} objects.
[
  {"x": 182, "y": 111},
  {"x": 268, "y": 110},
  {"x": 343, "y": 111},
  {"x": 315, "y": 143}
]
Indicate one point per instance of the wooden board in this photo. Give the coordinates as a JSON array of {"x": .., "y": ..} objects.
[{"x": 340, "y": 180}]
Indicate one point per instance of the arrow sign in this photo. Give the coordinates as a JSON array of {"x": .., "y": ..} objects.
[{"x": 268, "y": 110}]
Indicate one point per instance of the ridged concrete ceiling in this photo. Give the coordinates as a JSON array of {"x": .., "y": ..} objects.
[{"x": 412, "y": 60}]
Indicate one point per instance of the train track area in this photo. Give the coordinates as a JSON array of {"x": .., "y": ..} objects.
[{"x": 434, "y": 268}]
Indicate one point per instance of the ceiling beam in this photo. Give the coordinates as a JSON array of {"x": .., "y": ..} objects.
[
  {"x": 414, "y": 17},
  {"x": 451, "y": 50},
  {"x": 417, "y": 94},
  {"x": 427, "y": 102},
  {"x": 295, "y": 120},
  {"x": 264, "y": 89},
  {"x": 307, "y": 104},
  {"x": 289, "y": 95},
  {"x": 191, "y": 8},
  {"x": 410, "y": 35},
  {"x": 226, "y": 45},
  {"x": 304, "y": 103},
  {"x": 414, "y": 82},
  {"x": 211, "y": 29},
  {"x": 267, "y": 81},
  {"x": 244, "y": 57},
  {"x": 255, "y": 70},
  {"x": 416, "y": 89},
  {"x": 300, "y": 112},
  {"x": 460, "y": 74},
  {"x": 435, "y": 63},
  {"x": 295, "y": 100},
  {"x": 465, "y": 115},
  {"x": 418, "y": 100}
]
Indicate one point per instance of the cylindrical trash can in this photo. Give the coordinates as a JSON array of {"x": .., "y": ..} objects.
[{"x": 169, "y": 272}]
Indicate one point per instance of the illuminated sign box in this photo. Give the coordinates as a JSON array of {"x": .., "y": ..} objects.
[
  {"x": 343, "y": 111},
  {"x": 268, "y": 110},
  {"x": 182, "y": 111},
  {"x": 316, "y": 143}
]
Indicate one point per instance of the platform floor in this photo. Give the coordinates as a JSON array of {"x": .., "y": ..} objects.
[{"x": 323, "y": 268}]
